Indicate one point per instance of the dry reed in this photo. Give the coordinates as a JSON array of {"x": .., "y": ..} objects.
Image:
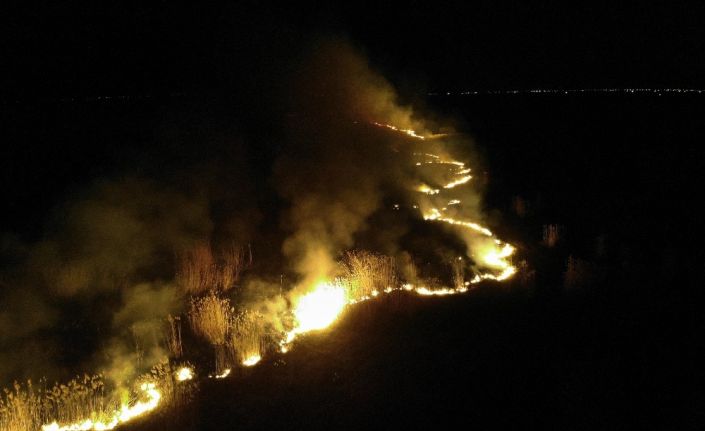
[
  {"x": 200, "y": 270},
  {"x": 173, "y": 336},
  {"x": 365, "y": 273},
  {"x": 20, "y": 408},
  {"x": 197, "y": 270},
  {"x": 210, "y": 318},
  {"x": 233, "y": 261},
  {"x": 248, "y": 337},
  {"x": 458, "y": 268}
]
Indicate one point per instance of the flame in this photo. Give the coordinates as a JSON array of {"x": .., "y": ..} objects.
[
  {"x": 252, "y": 360},
  {"x": 316, "y": 310},
  {"x": 439, "y": 292},
  {"x": 458, "y": 182},
  {"x": 319, "y": 308},
  {"x": 409, "y": 132},
  {"x": 424, "y": 188},
  {"x": 435, "y": 214},
  {"x": 184, "y": 373},
  {"x": 125, "y": 414},
  {"x": 224, "y": 374},
  {"x": 495, "y": 257}
]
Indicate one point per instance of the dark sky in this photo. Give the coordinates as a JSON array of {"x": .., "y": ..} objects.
[{"x": 112, "y": 48}]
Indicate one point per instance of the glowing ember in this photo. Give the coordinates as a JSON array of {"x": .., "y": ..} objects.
[
  {"x": 435, "y": 214},
  {"x": 459, "y": 181},
  {"x": 423, "y": 188},
  {"x": 438, "y": 292},
  {"x": 125, "y": 414},
  {"x": 184, "y": 373},
  {"x": 409, "y": 132},
  {"x": 224, "y": 374},
  {"x": 507, "y": 273},
  {"x": 252, "y": 360}
]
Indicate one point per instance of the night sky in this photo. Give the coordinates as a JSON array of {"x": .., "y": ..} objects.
[{"x": 97, "y": 49}]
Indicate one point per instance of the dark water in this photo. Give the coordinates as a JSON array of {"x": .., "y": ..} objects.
[
  {"x": 625, "y": 165},
  {"x": 619, "y": 173}
]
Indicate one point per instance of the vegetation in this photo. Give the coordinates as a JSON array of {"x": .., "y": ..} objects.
[
  {"x": 201, "y": 271},
  {"x": 366, "y": 274},
  {"x": 210, "y": 318},
  {"x": 248, "y": 338}
]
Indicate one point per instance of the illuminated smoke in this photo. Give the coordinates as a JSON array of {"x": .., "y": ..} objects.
[{"x": 349, "y": 142}]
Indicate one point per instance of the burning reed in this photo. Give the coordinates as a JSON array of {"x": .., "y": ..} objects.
[
  {"x": 85, "y": 403},
  {"x": 367, "y": 274},
  {"x": 247, "y": 342}
]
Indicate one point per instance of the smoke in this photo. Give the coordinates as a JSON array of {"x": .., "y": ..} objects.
[
  {"x": 342, "y": 166},
  {"x": 94, "y": 294},
  {"x": 119, "y": 232},
  {"x": 337, "y": 166},
  {"x": 105, "y": 267},
  {"x": 139, "y": 325}
]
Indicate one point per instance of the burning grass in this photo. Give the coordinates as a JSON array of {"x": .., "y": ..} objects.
[
  {"x": 247, "y": 342},
  {"x": 367, "y": 274},
  {"x": 86, "y": 403}
]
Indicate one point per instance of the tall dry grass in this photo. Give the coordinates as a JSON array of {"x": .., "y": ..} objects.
[
  {"x": 410, "y": 272},
  {"x": 200, "y": 270},
  {"x": 552, "y": 234},
  {"x": 21, "y": 408},
  {"x": 233, "y": 261},
  {"x": 28, "y": 408},
  {"x": 197, "y": 270},
  {"x": 81, "y": 398},
  {"x": 366, "y": 274},
  {"x": 173, "y": 337},
  {"x": 210, "y": 317},
  {"x": 458, "y": 268},
  {"x": 248, "y": 336}
]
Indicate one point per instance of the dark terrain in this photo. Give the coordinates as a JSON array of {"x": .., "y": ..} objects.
[{"x": 619, "y": 350}]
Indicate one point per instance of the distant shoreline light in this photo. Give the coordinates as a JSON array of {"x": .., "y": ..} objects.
[{"x": 569, "y": 91}]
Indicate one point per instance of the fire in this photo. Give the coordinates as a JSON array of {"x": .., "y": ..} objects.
[
  {"x": 316, "y": 310},
  {"x": 436, "y": 214},
  {"x": 319, "y": 308},
  {"x": 438, "y": 292},
  {"x": 497, "y": 257},
  {"x": 322, "y": 305},
  {"x": 224, "y": 374},
  {"x": 184, "y": 373},
  {"x": 125, "y": 414},
  {"x": 424, "y": 188},
  {"x": 409, "y": 132},
  {"x": 252, "y": 360},
  {"x": 460, "y": 181}
]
